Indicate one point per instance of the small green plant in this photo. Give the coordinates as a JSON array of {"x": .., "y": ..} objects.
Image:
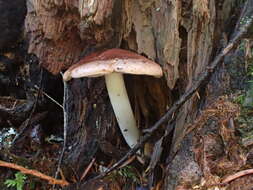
[
  {"x": 250, "y": 71},
  {"x": 18, "y": 182},
  {"x": 240, "y": 99},
  {"x": 128, "y": 172}
]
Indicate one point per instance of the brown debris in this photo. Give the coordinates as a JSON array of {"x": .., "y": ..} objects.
[
  {"x": 221, "y": 109},
  {"x": 218, "y": 153}
]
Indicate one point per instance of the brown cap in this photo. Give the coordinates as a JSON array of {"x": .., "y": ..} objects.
[{"x": 113, "y": 60}]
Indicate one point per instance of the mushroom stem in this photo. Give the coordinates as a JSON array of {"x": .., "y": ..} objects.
[{"x": 122, "y": 108}]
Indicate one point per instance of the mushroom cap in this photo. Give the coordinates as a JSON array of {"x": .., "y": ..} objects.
[{"x": 113, "y": 60}]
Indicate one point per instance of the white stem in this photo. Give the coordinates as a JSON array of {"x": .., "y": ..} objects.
[{"x": 122, "y": 108}]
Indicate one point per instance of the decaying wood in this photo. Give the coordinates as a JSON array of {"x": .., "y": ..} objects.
[
  {"x": 146, "y": 20},
  {"x": 84, "y": 129},
  {"x": 59, "y": 35},
  {"x": 200, "y": 35},
  {"x": 178, "y": 104},
  {"x": 168, "y": 42},
  {"x": 59, "y": 31}
]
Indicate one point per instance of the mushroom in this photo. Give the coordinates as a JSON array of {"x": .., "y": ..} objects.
[{"x": 112, "y": 64}]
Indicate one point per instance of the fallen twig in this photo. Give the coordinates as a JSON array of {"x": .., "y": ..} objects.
[
  {"x": 232, "y": 177},
  {"x": 65, "y": 124},
  {"x": 36, "y": 173},
  {"x": 48, "y": 96},
  {"x": 88, "y": 169},
  {"x": 237, "y": 175},
  {"x": 187, "y": 95}
]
